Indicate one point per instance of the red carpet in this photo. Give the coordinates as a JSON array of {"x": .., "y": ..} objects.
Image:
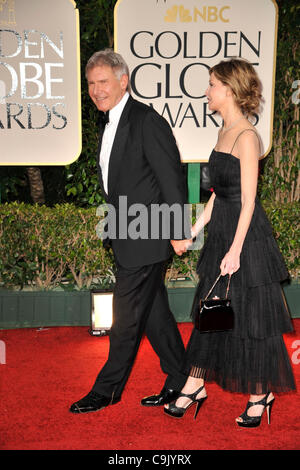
[{"x": 45, "y": 371}]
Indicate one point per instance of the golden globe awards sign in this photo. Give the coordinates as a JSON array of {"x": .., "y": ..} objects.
[
  {"x": 170, "y": 46},
  {"x": 40, "y": 115}
]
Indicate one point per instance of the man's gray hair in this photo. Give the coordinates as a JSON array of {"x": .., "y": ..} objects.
[{"x": 111, "y": 59}]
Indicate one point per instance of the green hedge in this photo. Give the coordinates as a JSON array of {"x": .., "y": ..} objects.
[
  {"x": 47, "y": 248},
  {"x": 58, "y": 248},
  {"x": 284, "y": 218}
]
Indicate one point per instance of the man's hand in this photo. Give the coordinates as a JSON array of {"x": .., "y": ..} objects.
[{"x": 181, "y": 246}]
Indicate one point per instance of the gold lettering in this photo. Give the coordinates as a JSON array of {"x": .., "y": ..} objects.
[
  {"x": 7, "y": 17},
  {"x": 221, "y": 14},
  {"x": 202, "y": 15},
  {"x": 212, "y": 15},
  {"x": 205, "y": 13}
]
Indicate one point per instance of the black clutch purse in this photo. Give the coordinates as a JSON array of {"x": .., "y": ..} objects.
[{"x": 215, "y": 314}]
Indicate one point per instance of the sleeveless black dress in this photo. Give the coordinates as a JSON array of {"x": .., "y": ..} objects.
[{"x": 251, "y": 358}]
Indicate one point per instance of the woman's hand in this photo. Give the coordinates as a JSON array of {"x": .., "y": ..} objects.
[{"x": 230, "y": 263}]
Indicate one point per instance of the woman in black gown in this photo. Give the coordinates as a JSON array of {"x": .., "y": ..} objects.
[{"x": 251, "y": 358}]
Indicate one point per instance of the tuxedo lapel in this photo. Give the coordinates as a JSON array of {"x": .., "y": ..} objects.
[
  {"x": 117, "y": 151},
  {"x": 101, "y": 132}
]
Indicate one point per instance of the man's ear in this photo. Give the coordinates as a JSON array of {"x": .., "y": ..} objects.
[{"x": 124, "y": 82}]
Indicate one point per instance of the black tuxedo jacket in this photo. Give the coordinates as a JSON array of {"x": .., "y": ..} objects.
[{"x": 144, "y": 169}]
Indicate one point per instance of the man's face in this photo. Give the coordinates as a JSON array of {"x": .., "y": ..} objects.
[{"x": 105, "y": 89}]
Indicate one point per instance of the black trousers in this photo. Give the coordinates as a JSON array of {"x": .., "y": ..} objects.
[{"x": 140, "y": 305}]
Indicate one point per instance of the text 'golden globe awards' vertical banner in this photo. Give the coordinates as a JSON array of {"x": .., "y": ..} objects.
[
  {"x": 170, "y": 45},
  {"x": 40, "y": 104}
]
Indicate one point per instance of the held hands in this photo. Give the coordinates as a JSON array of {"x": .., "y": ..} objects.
[
  {"x": 230, "y": 263},
  {"x": 181, "y": 246}
]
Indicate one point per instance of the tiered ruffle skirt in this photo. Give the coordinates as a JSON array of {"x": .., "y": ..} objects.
[{"x": 252, "y": 358}]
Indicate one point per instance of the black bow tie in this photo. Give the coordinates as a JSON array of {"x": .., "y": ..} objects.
[{"x": 104, "y": 118}]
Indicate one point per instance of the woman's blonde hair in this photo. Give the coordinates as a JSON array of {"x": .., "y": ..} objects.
[{"x": 243, "y": 80}]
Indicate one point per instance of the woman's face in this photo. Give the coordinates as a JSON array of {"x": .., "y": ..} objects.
[{"x": 217, "y": 93}]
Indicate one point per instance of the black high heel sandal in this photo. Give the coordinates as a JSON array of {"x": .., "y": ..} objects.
[
  {"x": 178, "y": 412},
  {"x": 254, "y": 421}
]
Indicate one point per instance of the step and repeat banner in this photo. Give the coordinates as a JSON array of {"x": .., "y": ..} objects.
[
  {"x": 170, "y": 46},
  {"x": 40, "y": 104}
]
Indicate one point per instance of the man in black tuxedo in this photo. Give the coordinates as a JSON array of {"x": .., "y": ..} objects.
[{"x": 137, "y": 159}]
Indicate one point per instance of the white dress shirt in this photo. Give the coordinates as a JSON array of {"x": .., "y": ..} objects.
[{"x": 109, "y": 136}]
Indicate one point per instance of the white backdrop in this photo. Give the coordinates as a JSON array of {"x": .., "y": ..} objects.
[
  {"x": 40, "y": 103},
  {"x": 169, "y": 47}
]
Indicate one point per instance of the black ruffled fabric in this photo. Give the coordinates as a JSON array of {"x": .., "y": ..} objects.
[{"x": 252, "y": 358}]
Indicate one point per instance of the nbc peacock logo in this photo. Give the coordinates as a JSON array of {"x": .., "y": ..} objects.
[
  {"x": 178, "y": 13},
  {"x": 210, "y": 14}
]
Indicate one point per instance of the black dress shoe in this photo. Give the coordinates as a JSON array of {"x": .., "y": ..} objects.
[
  {"x": 166, "y": 396},
  {"x": 93, "y": 401}
]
